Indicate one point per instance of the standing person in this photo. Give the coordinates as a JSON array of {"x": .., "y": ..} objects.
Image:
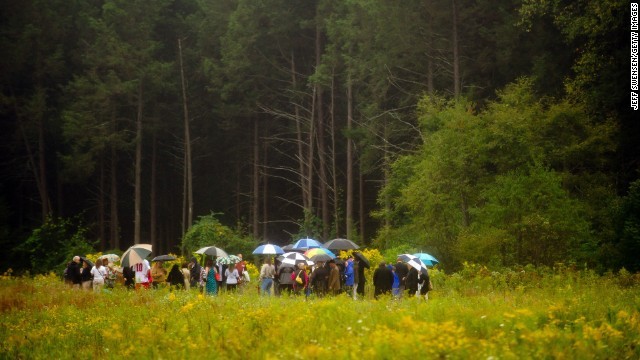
[
  {"x": 175, "y": 279},
  {"x": 300, "y": 280},
  {"x": 129, "y": 277},
  {"x": 395, "y": 286},
  {"x": 221, "y": 277},
  {"x": 195, "y": 270},
  {"x": 241, "y": 266},
  {"x": 334, "y": 278},
  {"x": 210, "y": 278},
  {"x": 267, "y": 272},
  {"x": 186, "y": 275},
  {"x": 319, "y": 278},
  {"x": 73, "y": 273},
  {"x": 143, "y": 274},
  {"x": 402, "y": 270},
  {"x": 382, "y": 280},
  {"x": 425, "y": 285},
  {"x": 362, "y": 280},
  {"x": 284, "y": 276},
  {"x": 233, "y": 278},
  {"x": 110, "y": 277},
  {"x": 349, "y": 276},
  {"x": 85, "y": 276},
  {"x": 412, "y": 281},
  {"x": 158, "y": 274},
  {"x": 99, "y": 274}
]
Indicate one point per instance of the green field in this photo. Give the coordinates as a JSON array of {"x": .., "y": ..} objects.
[{"x": 476, "y": 314}]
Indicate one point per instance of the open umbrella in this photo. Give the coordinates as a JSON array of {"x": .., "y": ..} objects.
[
  {"x": 212, "y": 250},
  {"x": 306, "y": 244},
  {"x": 230, "y": 259},
  {"x": 319, "y": 254},
  {"x": 292, "y": 259},
  {"x": 341, "y": 244},
  {"x": 268, "y": 249},
  {"x": 110, "y": 257},
  {"x": 414, "y": 262},
  {"x": 363, "y": 259},
  {"x": 427, "y": 259},
  {"x": 164, "y": 258},
  {"x": 89, "y": 262},
  {"x": 135, "y": 254}
]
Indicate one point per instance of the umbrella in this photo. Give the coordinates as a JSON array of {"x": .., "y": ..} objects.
[
  {"x": 110, "y": 257},
  {"x": 306, "y": 244},
  {"x": 362, "y": 259},
  {"x": 319, "y": 254},
  {"x": 341, "y": 244},
  {"x": 89, "y": 262},
  {"x": 414, "y": 262},
  {"x": 268, "y": 249},
  {"x": 212, "y": 250},
  {"x": 292, "y": 259},
  {"x": 164, "y": 258},
  {"x": 230, "y": 259},
  {"x": 427, "y": 259},
  {"x": 135, "y": 254}
]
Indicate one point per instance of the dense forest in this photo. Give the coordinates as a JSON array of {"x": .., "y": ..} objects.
[{"x": 497, "y": 132}]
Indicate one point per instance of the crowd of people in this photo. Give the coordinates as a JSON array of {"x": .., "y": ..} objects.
[{"x": 322, "y": 279}]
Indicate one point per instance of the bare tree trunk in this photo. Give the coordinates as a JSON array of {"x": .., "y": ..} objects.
[
  {"x": 188, "y": 185},
  {"x": 429, "y": 48},
  {"x": 334, "y": 172},
  {"x": 42, "y": 164},
  {"x": 386, "y": 173},
  {"x": 101, "y": 208},
  {"x": 113, "y": 198},
  {"x": 456, "y": 57},
  {"x": 322, "y": 162},
  {"x": 296, "y": 110},
  {"x": 361, "y": 201},
  {"x": 255, "y": 213},
  {"x": 153, "y": 235},
  {"x": 138, "y": 170},
  {"x": 265, "y": 185},
  {"x": 349, "y": 210}
]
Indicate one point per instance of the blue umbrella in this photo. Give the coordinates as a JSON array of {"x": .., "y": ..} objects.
[
  {"x": 268, "y": 249},
  {"x": 427, "y": 259},
  {"x": 306, "y": 244}
]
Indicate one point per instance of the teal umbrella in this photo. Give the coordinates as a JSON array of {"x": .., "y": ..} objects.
[{"x": 427, "y": 259}]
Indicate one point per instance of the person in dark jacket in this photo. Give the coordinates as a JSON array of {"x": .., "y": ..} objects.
[
  {"x": 86, "y": 277},
  {"x": 175, "y": 277},
  {"x": 195, "y": 270},
  {"x": 412, "y": 282},
  {"x": 382, "y": 280},
  {"x": 402, "y": 270},
  {"x": 73, "y": 275},
  {"x": 319, "y": 279},
  {"x": 361, "y": 280},
  {"x": 425, "y": 284},
  {"x": 129, "y": 277}
]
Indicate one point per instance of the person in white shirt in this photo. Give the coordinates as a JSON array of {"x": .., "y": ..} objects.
[
  {"x": 233, "y": 278},
  {"x": 99, "y": 274},
  {"x": 142, "y": 274}
]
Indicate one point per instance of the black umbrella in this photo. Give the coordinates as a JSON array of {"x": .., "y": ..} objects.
[
  {"x": 362, "y": 259},
  {"x": 89, "y": 262},
  {"x": 341, "y": 244},
  {"x": 164, "y": 258}
]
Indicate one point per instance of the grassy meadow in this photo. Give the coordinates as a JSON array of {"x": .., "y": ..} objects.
[{"x": 475, "y": 314}]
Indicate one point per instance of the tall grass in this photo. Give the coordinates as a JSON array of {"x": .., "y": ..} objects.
[{"x": 478, "y": 314}]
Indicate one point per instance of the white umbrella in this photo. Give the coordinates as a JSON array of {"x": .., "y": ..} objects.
[
  {"x": 292, "y": 259},
  {"x": 414, "y": 262},
  {"x": 268, "y": 249},
  {"x": 110, "y": 257},
  {"x": 135, "y": 254},
  {"x": 212, "y": 250}
]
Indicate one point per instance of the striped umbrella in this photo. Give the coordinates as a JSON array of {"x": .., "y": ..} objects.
[
  {"x": 212, "y": 250},
  {"x": 135, "y": 254},
  {"x": 319, "y": 254},
  {"x": 292, "y": 259},
  {"x": 228, "y": 260},
  {"x": 414, "y": 262},
  {"x": 268, "y": 249},
  {"x": 306, "y": 244}
]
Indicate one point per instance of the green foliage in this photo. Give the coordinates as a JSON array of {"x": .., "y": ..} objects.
[
  {"x": 208, "y": 231},
  {"x": 628, "y": 246},
  {"x": 52, "y": 245}
]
